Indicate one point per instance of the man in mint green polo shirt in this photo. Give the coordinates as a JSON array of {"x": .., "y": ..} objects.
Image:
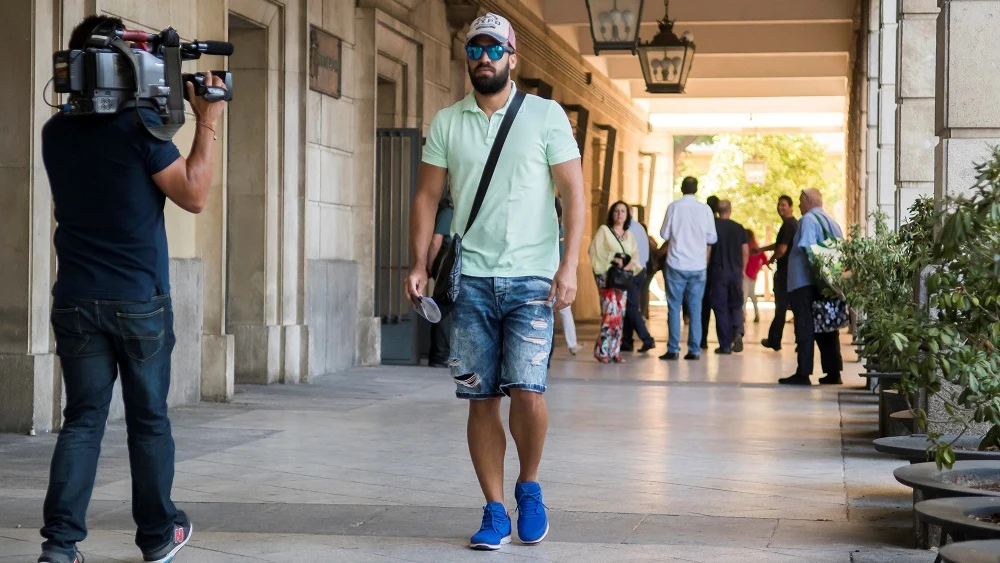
[{"x": 512, "y": 276}]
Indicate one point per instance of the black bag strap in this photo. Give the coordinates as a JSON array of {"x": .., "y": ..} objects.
[
  {"x": 491, "y": 162},
  {"x": 618, "y": 240}
]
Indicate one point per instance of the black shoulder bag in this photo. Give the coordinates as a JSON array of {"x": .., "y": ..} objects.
[
  {"x": 618, "y": 277},
  {"x": 449, "y": 274}
]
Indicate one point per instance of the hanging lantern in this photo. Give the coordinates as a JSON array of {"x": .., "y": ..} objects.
[
  {"x": 666, "y": 60},
  {"x": 614, "y": 24},
  {"x": 755, "y": 170}
]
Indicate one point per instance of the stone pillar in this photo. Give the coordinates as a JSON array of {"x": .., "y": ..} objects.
[
  {"x": 30, "y": 395},
  {"x": 967, "y": 109},
  {"x": 369, "y": 342},
  {"x": 887, "y": 108},
  {"x": 915, "y": 135},
  {"x": 217, "y": 347},
  {"x": 870, "y": 204}
]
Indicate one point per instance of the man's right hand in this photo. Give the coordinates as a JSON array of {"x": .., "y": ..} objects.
[
  {"x": 416, "y": 282},
  {"x": 205, "y": 111}
]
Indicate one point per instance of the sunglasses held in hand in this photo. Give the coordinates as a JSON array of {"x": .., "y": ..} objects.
[{"x": 494, "y": 52}]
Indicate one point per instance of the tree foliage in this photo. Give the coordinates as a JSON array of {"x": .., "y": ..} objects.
[{"x": 794, "y": 162}]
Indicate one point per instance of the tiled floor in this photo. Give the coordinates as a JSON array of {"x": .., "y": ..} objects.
[{"x": 703, "y": 461}]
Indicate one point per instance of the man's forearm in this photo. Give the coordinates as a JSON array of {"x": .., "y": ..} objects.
[
  {"x": 201, "y": 163},
  {"x": 574, "y": 215},
  {"x": 421, "y": 227}
]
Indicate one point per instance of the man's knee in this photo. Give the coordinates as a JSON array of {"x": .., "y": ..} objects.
[
  {"x": 527, "y": 397},
  {"x": 482, "y": 407}
]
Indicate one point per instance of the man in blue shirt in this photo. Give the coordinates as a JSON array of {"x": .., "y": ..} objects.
[
  {"x": 802, "y": 292},
  {"x": 111, "y": 311}
]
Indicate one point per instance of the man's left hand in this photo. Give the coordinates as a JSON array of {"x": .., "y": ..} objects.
[{"x": 563, "y": 287}]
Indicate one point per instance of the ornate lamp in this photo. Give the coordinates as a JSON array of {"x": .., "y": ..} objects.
[
  {"x": 755, "y": 169},
  {"x": 666, "y": 60},
  {"x": 614, "y": 24}
]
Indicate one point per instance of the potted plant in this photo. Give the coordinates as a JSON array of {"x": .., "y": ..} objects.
[{"x": 947, "y": 348}]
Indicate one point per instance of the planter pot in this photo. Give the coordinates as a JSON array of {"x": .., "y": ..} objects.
[
  {"x": 963, "y": 518},
  {"x": 971, "y": 478},
  {"x": 971, "y": 552},
  {"x": 913, "y": 448}
]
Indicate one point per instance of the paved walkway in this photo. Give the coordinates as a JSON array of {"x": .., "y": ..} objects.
[{"x": 651, "y": 461}]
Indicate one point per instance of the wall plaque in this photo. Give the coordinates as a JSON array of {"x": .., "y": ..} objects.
[{"x": 325, "y": 56}]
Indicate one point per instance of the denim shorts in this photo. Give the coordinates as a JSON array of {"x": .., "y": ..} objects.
[{"x": 501, "y": 336}]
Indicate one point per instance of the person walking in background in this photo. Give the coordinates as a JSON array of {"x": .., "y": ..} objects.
[
  {"x": 726, "y": 266},
  {"x": 634, "y": 321},
  {"x": 786, "y": 234},
  {"x": 706, "y": 306},
  {"x": 440, "y": 347},
  {"x": 756, "y": 262},
  {"x": 613, "y": 243},
  {"x": 688, "y": 232},
  {"x": 511, "y": 278},
  {"x": 814, "y": 227}
]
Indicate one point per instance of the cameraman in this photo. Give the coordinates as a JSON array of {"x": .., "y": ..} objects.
[{"x": 111, "y": 311}]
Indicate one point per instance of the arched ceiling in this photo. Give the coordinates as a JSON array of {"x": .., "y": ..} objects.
[{"x": 760, "y": 57}]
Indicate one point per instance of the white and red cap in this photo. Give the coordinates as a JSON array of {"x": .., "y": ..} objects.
[{"x": 497, "y": 27}]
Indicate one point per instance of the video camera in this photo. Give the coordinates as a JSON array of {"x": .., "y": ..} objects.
[{"x": 108, "y": 76}]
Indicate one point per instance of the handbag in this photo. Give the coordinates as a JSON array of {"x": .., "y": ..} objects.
[
  {"x": 823, "y": 257},
  {"x": 829, "y": 314},
  {"x": 618, "y": 277},
  {"x": 449, "y": 274}
]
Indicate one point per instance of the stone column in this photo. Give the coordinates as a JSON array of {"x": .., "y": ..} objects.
[
  {"x": 915, "y": 135},
  {"x": 967, "y": 109},
  {"x": 217, "y": 347},
  {"x": 871, "y": 137},
  {"x": 369, "y": 342},
  {"x": 887, "y": 108},
  {"x": 30, "y": 394}
]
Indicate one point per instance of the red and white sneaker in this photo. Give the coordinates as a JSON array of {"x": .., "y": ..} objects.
[{"x": 182, "y": 533}]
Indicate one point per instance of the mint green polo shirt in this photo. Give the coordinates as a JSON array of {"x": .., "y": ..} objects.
[{"x": 516, "y": 232}]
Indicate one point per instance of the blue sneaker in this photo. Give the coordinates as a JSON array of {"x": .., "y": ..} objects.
[
  {"x": 532, "y": 523},
  {"x": 495, "y": 530}
]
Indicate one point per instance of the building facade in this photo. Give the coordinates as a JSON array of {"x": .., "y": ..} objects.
[{"x": 293, "y": 269}]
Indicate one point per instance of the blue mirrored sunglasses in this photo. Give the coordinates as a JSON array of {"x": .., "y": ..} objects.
[{"x": 494, "y": 52}]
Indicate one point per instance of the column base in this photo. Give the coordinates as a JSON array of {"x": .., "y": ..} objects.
[
  {"x": 258, "y": 353},
  {"x": 30, "y": 395},
  {"x": 218, "y": 367},
  {"x": 369, "y": 341},
  {"x": 295, "y": 364}
]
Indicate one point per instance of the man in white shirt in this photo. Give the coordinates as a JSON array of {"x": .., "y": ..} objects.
[
  {"x": 634, "y": 323},
  {"x": 688, "y": 232}
]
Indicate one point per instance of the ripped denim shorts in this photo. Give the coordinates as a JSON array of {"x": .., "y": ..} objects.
[{"x": 501, "y": 336}]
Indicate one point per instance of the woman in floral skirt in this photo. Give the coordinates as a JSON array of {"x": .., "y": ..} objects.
[{"x": 612, "y": 244}]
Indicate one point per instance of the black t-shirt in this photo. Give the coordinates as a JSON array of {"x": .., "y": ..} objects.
[
  {"x": 785, "y": 236},
  {"x": 111, "y": 242},
  {"x": 727, "y": 252}
]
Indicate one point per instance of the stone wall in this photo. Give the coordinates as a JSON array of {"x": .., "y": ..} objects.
[{"x": 332, "y": 312}]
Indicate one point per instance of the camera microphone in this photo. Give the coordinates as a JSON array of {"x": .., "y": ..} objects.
[{"x": 223, "y": 48}]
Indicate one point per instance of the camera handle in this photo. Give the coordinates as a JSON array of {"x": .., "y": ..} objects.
[{"x": 175, "y": 99}]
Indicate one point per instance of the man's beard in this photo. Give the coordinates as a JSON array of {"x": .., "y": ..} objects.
[{"x": 488, "y": 85}]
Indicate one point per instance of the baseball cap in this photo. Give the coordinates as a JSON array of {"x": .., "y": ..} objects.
[{"x": 497, "y": 27}]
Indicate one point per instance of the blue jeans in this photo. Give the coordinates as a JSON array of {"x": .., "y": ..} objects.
[
  {"x": 687, "y": 287},
  {"x": 95, "y": 341},
  {"x": 634, "y": 323},
  {"x": 501, "y": 336}
]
